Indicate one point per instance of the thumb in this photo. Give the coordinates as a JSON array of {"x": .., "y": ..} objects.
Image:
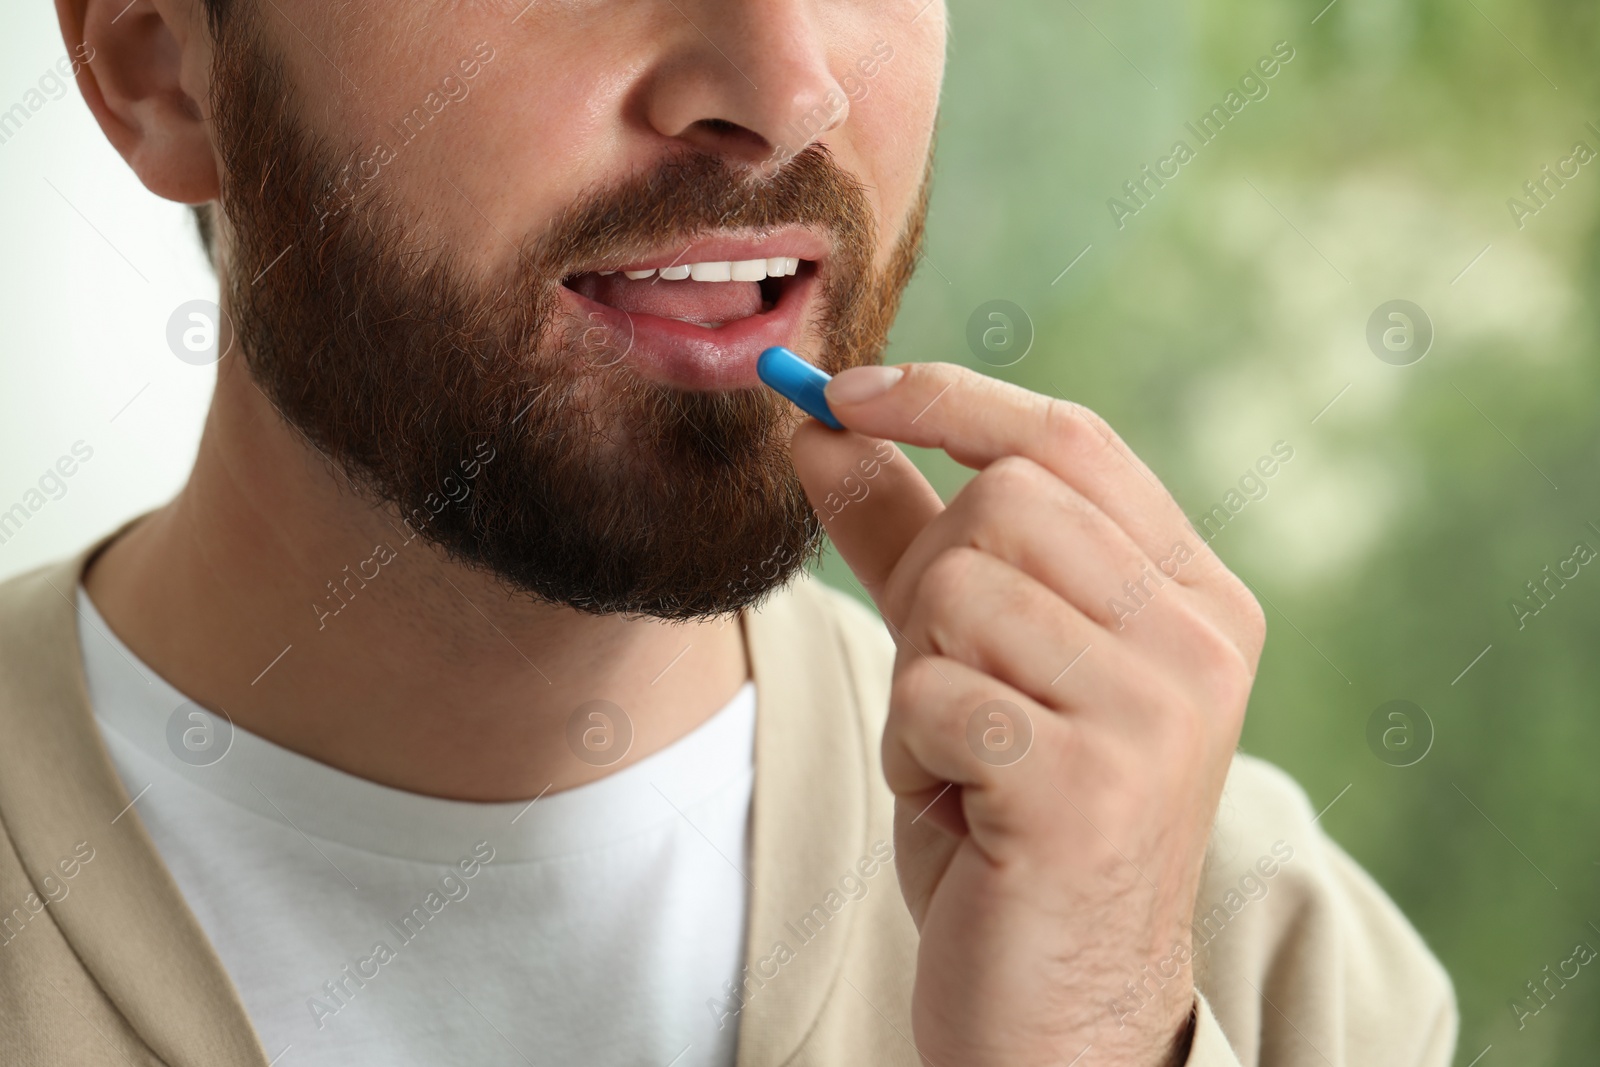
[{"x": 872, "y": 501}]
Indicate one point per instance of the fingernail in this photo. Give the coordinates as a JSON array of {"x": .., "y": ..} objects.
[{"x": 860, "y": 384}]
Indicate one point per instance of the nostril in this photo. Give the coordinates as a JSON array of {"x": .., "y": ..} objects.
[{"x": 721, "y": 135}]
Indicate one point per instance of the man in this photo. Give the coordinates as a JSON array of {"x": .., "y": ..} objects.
[{"x": 470, "y": 703}]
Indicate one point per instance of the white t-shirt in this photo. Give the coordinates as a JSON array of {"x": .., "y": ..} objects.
[{"x": 367, "y": 925}]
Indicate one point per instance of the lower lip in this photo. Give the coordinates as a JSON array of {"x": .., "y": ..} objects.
[{"x": 692, "y": 357}]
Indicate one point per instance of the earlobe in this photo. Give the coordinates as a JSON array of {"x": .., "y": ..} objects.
[{"x": 137, "y": 75}]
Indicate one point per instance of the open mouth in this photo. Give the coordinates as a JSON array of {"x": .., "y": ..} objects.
[
  {"x": 709, "y": 294},
  {"x": 698, "y": 315}
]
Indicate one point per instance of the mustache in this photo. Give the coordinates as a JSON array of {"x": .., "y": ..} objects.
[{"x": 691, "y": 194}]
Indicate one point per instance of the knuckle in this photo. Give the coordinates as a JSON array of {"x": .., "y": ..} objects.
[
  {"x": 1007, "y": 811},
  {"x": 946, "y": 582},
  {"x": 1005, "y": 497},
  {"x": 1224, "y": 672},
  {"x": 916, "y": 686},
  {"x": 1253, "y": 616},
  {"x": 1073, "y": 428},
  {"x": 1013, "y": 476}
]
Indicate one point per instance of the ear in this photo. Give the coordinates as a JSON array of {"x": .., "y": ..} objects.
[{"x": 144, "y": 70}]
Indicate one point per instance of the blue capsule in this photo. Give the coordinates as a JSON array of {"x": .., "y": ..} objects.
[{"x": 798, "y": 380}]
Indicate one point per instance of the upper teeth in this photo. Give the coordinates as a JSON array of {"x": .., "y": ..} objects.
[{"x": 737, "y": 270}]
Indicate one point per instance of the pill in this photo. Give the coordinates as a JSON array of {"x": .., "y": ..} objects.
[{"x": 798, "y": 380}]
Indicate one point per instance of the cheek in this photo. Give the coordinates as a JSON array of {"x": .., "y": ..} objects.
[
  {"x": 519, "y": 148},
  {"x": 890, "y": 130},
  {"x": 519, "y": 141}
]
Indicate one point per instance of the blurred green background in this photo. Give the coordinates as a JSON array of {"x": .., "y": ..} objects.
[{"x": 1231, "y": 310}]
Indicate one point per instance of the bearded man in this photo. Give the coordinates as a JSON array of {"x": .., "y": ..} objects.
[{"x": 471, "y": 703}]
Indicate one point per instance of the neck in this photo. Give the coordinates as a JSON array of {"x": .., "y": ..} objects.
[{"x": 268, "y": 590}]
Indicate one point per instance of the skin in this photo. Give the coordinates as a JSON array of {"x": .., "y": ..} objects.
[{"x": 1039, "y": 887}]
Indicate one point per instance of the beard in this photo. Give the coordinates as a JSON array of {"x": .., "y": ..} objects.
[{"x": 501, "y": 427}]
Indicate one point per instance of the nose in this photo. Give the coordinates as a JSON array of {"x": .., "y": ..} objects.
[{"x": 747, "y": 79}]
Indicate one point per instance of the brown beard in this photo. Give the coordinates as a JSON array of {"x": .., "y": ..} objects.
[{"x": 602, "y": 491}]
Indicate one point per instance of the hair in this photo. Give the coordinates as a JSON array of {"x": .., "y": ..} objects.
[
  {"x": 203, "y": 222},
  {"x": 204, "y": 217}
]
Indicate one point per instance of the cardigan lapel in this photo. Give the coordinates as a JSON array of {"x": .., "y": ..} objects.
[
  {"x": 808, "y": 819},
  {"x": 125, "y": 918}
]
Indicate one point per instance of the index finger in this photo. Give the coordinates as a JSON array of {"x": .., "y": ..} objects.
[{"x": 977, "y": 420}]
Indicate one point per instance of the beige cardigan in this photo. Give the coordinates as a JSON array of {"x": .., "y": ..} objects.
[{"x": 1305, "y": 961}]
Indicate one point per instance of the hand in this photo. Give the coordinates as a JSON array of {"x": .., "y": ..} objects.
[{"x": 1065, "y": 583}]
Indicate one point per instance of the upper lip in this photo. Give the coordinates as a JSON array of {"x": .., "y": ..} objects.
[{"x": 798, "y": 242}]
